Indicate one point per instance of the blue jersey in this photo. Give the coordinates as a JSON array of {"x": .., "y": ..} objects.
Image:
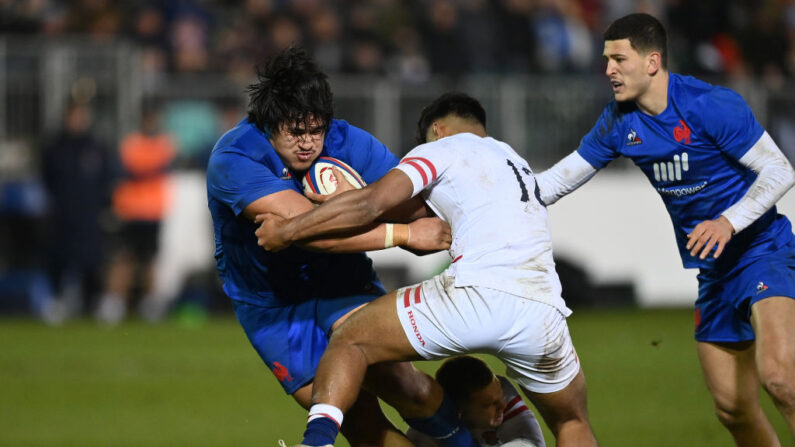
[
  {"x": 244, "y": 167},
  {"x": 690, "y": 155}
]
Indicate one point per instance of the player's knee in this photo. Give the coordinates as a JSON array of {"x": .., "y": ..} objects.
[
  {"x": 342, "y": 337},
  {"x": 778, "y": 382},
  {"x": 732, "y": 413}
]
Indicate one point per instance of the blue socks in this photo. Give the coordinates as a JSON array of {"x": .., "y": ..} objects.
[
  {"x": 321, "y": 431},
  {"x": 445, "y": 426}
]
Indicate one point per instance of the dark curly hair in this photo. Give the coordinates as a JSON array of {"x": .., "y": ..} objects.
[
  {"x": 462, "y": 376},
  {"x": 452, "y": 103},
  {"x": 290, "y": 89},
  {"x": 645, "y": 34}
]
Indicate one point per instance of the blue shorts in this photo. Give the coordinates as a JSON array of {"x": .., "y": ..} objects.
[
  {"x": 291, "y": 339},
  {"x": 723, "y": 308}
]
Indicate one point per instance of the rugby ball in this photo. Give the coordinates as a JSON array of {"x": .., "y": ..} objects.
[{"x": 320, "y": 179}]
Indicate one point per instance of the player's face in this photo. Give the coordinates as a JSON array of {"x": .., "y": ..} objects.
[
  {"x": 299, "y": 144},
  {"x": 626, "y": 69},
  {"x": 484, "y": 408}
]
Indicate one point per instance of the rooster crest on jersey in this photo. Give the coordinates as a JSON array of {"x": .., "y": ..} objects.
[{"x": 320, "y": 177}]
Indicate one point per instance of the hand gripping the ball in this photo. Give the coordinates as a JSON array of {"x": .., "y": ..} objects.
[{"x": 343, "y": 185}]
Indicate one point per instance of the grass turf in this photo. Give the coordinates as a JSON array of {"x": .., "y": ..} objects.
[{"x": 172, "y": 385}]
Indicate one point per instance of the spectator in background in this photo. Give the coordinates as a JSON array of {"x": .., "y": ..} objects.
[
  {"x": 140, "y": 201},
  {"x": 408, "y": 63},
  {"x": 481, "y": 40},
  {"x": 516, "y": 37},
  {"x": 563, "y": 41},
  {"x": 101, "y": 20},
  {"x": 441, "y": 34},
  {"x": 77, "y": 171},
  {"x": 325, "y": 33},
  {"x": 149, "y": 33},
  {"x": 189, "y": 44}
]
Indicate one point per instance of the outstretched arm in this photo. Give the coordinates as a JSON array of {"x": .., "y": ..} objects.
[
  {"x": 349, "y": 210},
  {"x": 775, "y": 177},
  {"x": 419, "y": 234},
  {"x": 564, "y": 177}
]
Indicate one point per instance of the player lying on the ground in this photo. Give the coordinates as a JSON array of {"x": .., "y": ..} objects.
[
  {"x": 500, "y": 295},
  {"x": 488, "y": 404}
]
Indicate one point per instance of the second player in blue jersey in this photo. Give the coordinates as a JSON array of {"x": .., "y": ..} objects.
[{"x": 719, "y": 174}]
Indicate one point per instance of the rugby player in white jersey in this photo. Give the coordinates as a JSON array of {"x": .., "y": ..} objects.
[{"x": 499, "y": 296}]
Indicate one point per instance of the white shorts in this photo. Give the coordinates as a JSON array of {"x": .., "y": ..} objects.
[{"x": 530, "y": 337}]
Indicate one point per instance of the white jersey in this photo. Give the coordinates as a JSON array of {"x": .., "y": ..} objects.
[
  {"x": 488, "y": 195},
  {"x": 518, "y": 423}
]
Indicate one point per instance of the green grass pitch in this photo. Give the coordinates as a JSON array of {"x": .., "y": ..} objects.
[{"x": 171, "y": 385}]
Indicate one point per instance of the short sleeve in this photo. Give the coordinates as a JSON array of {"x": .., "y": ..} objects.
[
  {"x": 237, "y": 180},
  {"x": 731, "y": 123},
  {"x": 424, "y": 165},
  {"x": 597, "y": 146}
]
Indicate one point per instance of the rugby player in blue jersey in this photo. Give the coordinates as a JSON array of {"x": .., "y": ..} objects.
[
  {"x": 289, "y": 302},
  {"x": 719, "y": 174}
]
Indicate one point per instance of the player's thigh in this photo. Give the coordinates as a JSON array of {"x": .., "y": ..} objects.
[
  {"x": 286, "y": 338},
  {"x": 773, "y": 320},
  {"x": 291, "y": 339},
  {"x": 727, "y": 296},
  {"x": 539, "y": 354},
  {"x": 376, "y": 330},
  {"x": 567, "y": 404},
  {"x": 730, "y": 373}
]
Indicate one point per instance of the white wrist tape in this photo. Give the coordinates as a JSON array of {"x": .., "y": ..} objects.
[{"x": 389, "y": 238}]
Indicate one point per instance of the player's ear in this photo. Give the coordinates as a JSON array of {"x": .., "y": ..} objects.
[
  {"x": 432, "y": 133},
  {"x": 437, "y": 129},
  {"x": 654, "y": 62}
]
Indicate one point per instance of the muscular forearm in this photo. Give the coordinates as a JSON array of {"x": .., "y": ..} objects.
[
  {"x": 775, "y": 178},
  {"x": 344, "y": 212},
  {"x": 564, "y": 177},
  {"x": 407, "y": 211},
  {"x": 369, "y": 238}
]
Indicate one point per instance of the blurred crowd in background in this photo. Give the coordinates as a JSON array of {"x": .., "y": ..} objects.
[
  {"x": 412, "y": 39},
  {"x": 122, "y": 219}
]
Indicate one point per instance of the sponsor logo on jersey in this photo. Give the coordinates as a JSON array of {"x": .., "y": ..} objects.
[
  {"x": 281, "y": 372},
  {"x": 671, "y": 170},
  {"x": 286, "y": 174},
  {"x": 415, "y": 328},
  {"x": 682, "y": 133},
  {"x": 632, "y": 138},
  {"x": 682, "y": 191},
  {"x": 761, "y": 287}
]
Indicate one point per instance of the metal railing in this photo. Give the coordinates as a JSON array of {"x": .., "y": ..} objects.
[{"x": 543, "y": 117}]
